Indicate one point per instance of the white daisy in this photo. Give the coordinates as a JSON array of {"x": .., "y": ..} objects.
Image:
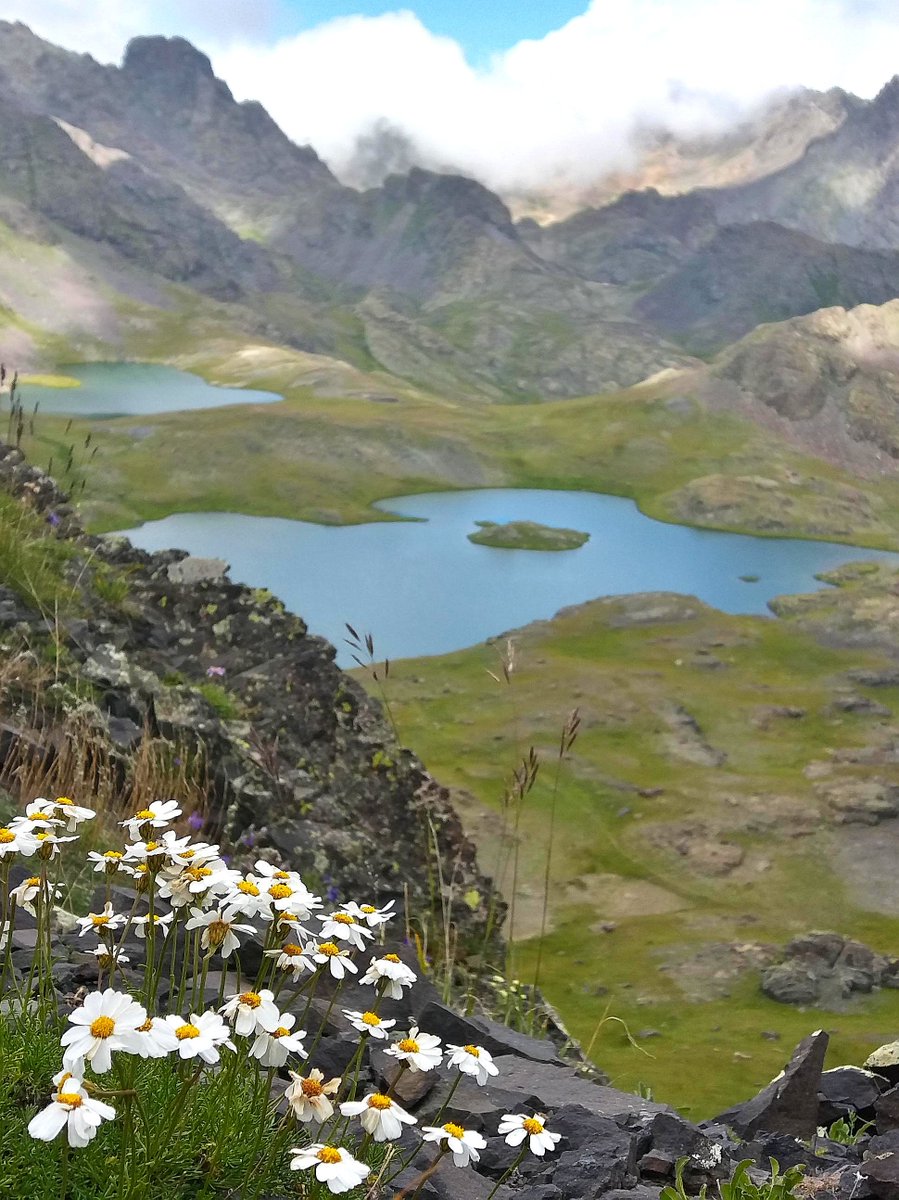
[
  {"x": 26, "y": 893},
  {"x": 98, "y": 923},
  {"x": 292, "y": 957},
  {"x": 219, "y": 930},
  {"x": 309, "y": 1097},
  {"x": 106, "y": 1021},
  {"x": 200, "y": 1036},
  {"x": 248, "y": 894},
  {"x": 272, "y": 1049},
  {"x": 390, "y": 967},
  {"x": 108, "y": 862},
  {"x": 373, "y": 917},
  {"x": 464, "y": 1143},
  {"x": 161, "y": 924},
  {"x": 17, "y": 840},
  {"x": 252, "y": 1011},
  {"x": 420, "y": 1050},
  {"x": 39, "y": 813},
  {"x": 48, "y": 844},
  {"x": 68, "y": 811},
  {"x": 344, "y": 927},
  {"x": 380, "y": 1116},
  {"x": 369, "y": 1022},
  {"x": 333, "y": 1166},
  {"x": 105, "y": 960},
  {"x": 157, "y": 1038},
  {"x": 472, "y": 1060},
  {"x": 338, "y": 961},
  {"x": 515, "y": 1128},
  {"x": 71, "y": 1109},
  {"x": 156, "y": 815}
]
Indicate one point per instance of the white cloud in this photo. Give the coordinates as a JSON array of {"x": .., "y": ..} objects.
[{"x": 566, "y": 104}]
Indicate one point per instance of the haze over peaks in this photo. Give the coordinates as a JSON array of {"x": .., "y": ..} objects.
[{"x": 558, "y": 109}]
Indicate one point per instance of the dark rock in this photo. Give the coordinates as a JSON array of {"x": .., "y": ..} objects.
[
  {"x": 609, "y": 1161},
  {"x": 498, "y": 1039},
  {"x": 473, "y": 1106},
  {"x": 558, "y": 1086},
  {"x": 882, "y": 1173},
  {"x": 789, "y": 1104},
  {"x": 671, "y": 1138},
  {"x": 886, "y": 1110},
  {"x": 847, "y": 1090},
  {"x": 790, "y": 983}
]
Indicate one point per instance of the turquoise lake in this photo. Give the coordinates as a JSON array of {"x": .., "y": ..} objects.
[
  {"x": 134, "y": 389},
  {"x": 420, "y": 587}
]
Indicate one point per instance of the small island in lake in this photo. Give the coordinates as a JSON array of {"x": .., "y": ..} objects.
[{"x": 526, "y": 535}]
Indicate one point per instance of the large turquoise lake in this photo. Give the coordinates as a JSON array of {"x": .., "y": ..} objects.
[
  {"x": 420, "y": 587},
  {"x": 134, "y": 389}
]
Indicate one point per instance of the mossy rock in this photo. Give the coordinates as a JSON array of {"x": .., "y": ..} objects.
[{"x": 527, "y": 535}]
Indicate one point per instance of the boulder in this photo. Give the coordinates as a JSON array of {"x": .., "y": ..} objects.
[
  {"x": 498, "y": 1039},
  {"x": 789, "y": 1104}
]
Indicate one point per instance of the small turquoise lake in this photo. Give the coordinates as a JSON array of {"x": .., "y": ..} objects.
[
  {"x": 420, "y": 587},
  {"x": 134, "y": 389}
]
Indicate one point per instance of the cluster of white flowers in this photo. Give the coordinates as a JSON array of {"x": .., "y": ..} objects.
[{"x": 220, "y": 906}]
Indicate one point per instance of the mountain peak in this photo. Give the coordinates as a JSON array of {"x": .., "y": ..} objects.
[{"x": 165, "y": 59}]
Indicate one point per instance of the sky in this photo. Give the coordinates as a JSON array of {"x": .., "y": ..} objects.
[{"x": 515, "y": 92}]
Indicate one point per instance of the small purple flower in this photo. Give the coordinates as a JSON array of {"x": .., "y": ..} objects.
[
  {"x": 54, "y": 519},
  {"x": 249, "y": 840},
  {"x": 195, "y": 821},
  {"x": 333, "y": 894},
  {"x": 215, "y": 672},
  {"x": 177, "y": 761}
]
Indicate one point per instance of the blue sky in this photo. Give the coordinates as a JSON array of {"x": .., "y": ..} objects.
[{"x": 482, "y": 27}]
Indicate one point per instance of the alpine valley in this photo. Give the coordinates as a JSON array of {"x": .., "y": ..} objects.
[{"x": 714, "y": 334}]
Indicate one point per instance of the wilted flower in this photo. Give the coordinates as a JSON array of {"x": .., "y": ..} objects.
[{"x": 309, "y": 1097}]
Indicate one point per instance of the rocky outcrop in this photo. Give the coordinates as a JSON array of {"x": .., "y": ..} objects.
[{"x": 826, "y": 969}]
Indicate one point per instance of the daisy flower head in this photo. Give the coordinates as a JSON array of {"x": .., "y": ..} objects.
[
  {"x": 294, "y": 958},
  {"x": 26, "y": 893},
  {"x": 194, "y": 854},
  {"x": 420, "y": 1051},
  {"x": 40, "y": 813},
  {"x": 72, "y": 1109},
  {"x": 48, "y": 844},
  {"x": 379, "y": 1116},
  {"x": 309, "y": 1096},
  {"x": 337, "y": 961},
  {"x": 200, "y": 1036},
  {"x": 106, "y": 1021},
  {"x": 333, "y": 1166},
  {"x": 342, "y": 926},
  {"x": 252, "y": 1012},
  {"x": 373, "y": 917},
  {"x": 105, "y": 959},
  {"x": 17, "y": 840},
  {"x": 157, "y": 1038},
  {"x": 156, "y": 815},
  {"x": 272, "y": 1049},
  {"x": 99, "y": 922},
  {"x": 161, "y": 924},
  {"x": 219, "y": 929},
  {"x": 515, "y": 1127},
  {"x": 391, "y": 974},
  {"x": 248, "y": 894},
  {"x": 66, "y": 810},
  {"x": 473, "y": 1060},
  {"x": 369, "y": 1022},
  {"x": 465, "y": 1144},
  {"x": 107, "y": 863}
]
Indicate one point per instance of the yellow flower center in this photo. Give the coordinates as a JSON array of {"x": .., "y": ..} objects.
[
  {"x": 472, "y": 1050},
  {"x": 41, "y": 837},
  {"x": 7, "y": 836},
  {"x": 145, "y": 814},
  {"x": 379, "y": 1101},
  {"x": 287, "y": 917},
  {"x": 531, "y": 1125},
  {"x": 186, "y": 1031},
  {"x": 151, "y": 846},
  {"x": 34, "y": 881},
  {"x": 72, "y": 1099},
  {"x": 292, "y": 949},
  {"x": 64, "y": 800},
  {"x": 112, "y": 854},
  {"x": 216, "y": 931},
  {"x": 370, "y": 1018},
  {"x": 103, "y": 1027},
  {"x": 394, "y": 958},
  {"x": 329, "y": 948},
  {"x": 455, "y": 1131},
  {"x": 367, "y": 908},
  {"x": 248, "y": 889},
  {"x": 281, "y": 875},
  {"x": 187, "y": 853},
  {"x": 344, "y": 919},
  {"x": 281, "y": 1032},
  {"x": 328, "y": 1154},
  {"x": 310, "y": 1087},
  {"x": 99, "y": 919},
  {"x": 146, "y": 1027},
  {"x": 197, "y": 873},
  {"x": 141, "y": 869},
  {"x": 41, "y": 816},
  {"x": 280, "y": 891},
  {"x": 251, "y": 999},
  {"x": 409, "y": 1046}
]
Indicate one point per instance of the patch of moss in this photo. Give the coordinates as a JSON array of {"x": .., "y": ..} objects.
[{"x": 527, "y": 535}]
